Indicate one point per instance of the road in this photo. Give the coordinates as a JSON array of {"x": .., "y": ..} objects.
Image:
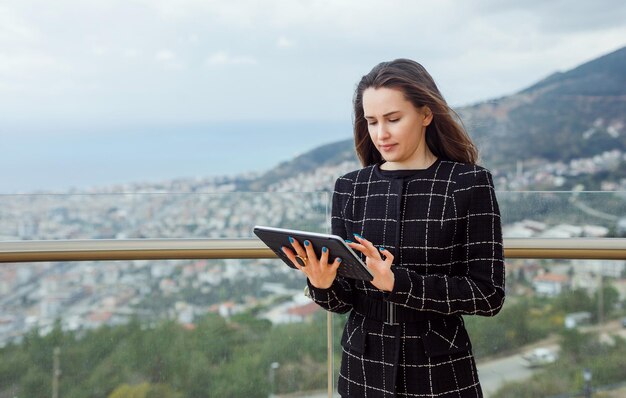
[{"x": 494, "y": 373}]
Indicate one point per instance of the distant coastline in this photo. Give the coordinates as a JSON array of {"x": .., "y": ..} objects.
[{"x": 77, "y": 158}]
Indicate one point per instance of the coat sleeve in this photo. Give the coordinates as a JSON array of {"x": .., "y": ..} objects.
[
  {"x": 479, "y": 290},
  {"x": 338, "y": 297}
]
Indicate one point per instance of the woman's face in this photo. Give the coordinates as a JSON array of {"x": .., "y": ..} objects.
[{"x": 396, "y": 127}]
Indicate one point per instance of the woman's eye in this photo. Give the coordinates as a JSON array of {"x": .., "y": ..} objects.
[
  {"x": 371, "y": 123},
  {"x": 393, "y": 120}
]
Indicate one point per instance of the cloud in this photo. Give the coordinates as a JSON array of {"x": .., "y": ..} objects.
[
  {"x": 284, "y": 42},
  {"x": 193, "y": 38},
  {"x": 29, "y": 64},
  {"x": 169, "y": 60},
  {"x": 559, "y": 15},
  {"x": 165, "y": 56},
  {"x": 99, "y": 51},
  {"x": 475, "y": 50},
  {"x": 14, "y": 28},
  {"x": 221, "y": 58},
  {"x": 131, "y": 53}
]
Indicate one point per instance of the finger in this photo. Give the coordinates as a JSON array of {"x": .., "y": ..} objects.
[
  {"x": 387, "y": 254},
  {"x": 355, "y": 245},
  {"x": 358, "y": 247},
  {"x": 335, "y": 265},
  {"x": 324, "y": 257},
  {"x": 292, "y": 258},
  {"x": 352, "y": 244},
  {"x": 310, "y": 253},
  {"x": 297, "y": 246},
  {"x": 289, "y": 253},
  {"x": 365, "y": 251},
  {"x": 369, "y": 247}
]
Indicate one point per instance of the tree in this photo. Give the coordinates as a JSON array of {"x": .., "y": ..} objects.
[
  {"x": 610, "y": 299},
  {"x": 576, "y": 300},
  {"x": 36, "y": 383},
  {"x": 574, "y": 343},
  {"x": 128, "y": 391},
  {"x": 199, "y": 375},
  {"x": 144, "y": 390}
]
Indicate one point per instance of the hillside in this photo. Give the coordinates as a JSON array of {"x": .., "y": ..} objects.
[
  {"x": 326, "y": 155},
  {"x": 568, "y": 115},
  {"x": 575, "y": 114}
]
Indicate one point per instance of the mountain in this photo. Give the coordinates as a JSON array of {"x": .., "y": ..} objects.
[
  {"x": 568, "y": 115},
  {"x": 325, "y": 155},
  {"x": 574, "y": 114}
]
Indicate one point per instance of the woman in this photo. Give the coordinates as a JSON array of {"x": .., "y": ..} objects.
[{"x": 425, "y": 218}]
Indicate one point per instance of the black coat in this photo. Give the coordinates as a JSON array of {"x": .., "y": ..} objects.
[{"x": 442, "y": 225}]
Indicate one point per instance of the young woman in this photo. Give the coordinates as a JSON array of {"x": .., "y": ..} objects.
[{"x": 426, "y": 220}]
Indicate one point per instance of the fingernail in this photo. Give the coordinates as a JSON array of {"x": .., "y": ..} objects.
[
  {"x": 282, "y": 248},
  {"x": 306, "y": 243},
  {"x": 324, "y": 249},
  {"x": 381, "y": 249},
  {"x": 291, "y": 240},
  {"x": 339, "y": 260},
  {"x": 349, "y": 241},
  {"x": 358, "y": 236}
]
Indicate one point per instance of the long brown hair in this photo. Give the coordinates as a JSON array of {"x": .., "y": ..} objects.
[{"x": 445, "y": 135}]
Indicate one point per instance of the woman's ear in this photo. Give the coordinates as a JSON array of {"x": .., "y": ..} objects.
[{"x": 428, "y": 116}]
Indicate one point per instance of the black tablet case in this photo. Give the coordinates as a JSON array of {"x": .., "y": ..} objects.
[{"x": 351, "y": 265}]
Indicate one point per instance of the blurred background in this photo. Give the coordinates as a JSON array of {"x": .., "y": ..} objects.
[{"x": 199, "y": 119}]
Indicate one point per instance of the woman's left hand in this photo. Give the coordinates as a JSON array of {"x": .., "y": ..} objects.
[{"x": 383, "y": 277}]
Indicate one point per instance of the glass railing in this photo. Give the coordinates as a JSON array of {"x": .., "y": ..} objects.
[
  {"x": 561, "y": 319},
  {"x": 562, "y": 331},
  {"x": 158, "y": 215},
  {"x": 187, "y": 326},
  {"x": 560, "y": 214}
]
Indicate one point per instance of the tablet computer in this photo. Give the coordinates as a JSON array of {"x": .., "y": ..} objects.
[{"x": 351, "y": 264}]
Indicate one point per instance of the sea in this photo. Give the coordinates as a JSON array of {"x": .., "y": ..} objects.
[{"x": 58, "y": 158}]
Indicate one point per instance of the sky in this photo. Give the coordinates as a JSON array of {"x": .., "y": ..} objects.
[
  {"x": 113, "y": 64},
  {"x": 203, "y": 60}
]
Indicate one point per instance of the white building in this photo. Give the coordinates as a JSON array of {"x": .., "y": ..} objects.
[{"x": 550, "y": 285}]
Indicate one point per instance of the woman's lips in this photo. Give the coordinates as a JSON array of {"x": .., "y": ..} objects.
[{"x": 387, "y": 148}]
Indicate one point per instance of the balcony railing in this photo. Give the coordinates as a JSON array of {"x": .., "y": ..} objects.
[
  {"x": 181, "y": 213},
  {"x": 161, "y": 249},
  {"x": 179, "y": 249}
]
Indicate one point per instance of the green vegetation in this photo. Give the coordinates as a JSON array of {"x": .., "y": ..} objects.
[
  {"x": 168, "y": 360},
  {"x": 226, "y": 358},
  {"x": 530, "y": 319},
  {"x": 607, "y": 363},
  {"x": 606, "y": 360},
  {"x": 517, "y": 324}
]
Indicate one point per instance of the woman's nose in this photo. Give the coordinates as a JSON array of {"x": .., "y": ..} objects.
[{"x": 382, "y": 130}]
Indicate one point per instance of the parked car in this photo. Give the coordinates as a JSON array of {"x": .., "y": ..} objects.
[{"x": 540, "y": 357}]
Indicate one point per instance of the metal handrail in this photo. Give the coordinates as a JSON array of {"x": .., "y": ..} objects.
[{"x": 174, "y": 249}]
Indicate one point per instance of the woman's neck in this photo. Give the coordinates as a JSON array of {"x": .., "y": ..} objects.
[{"x": 419, "y": 163}]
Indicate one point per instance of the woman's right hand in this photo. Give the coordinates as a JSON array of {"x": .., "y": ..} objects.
[{"x": 320, "y": 273}]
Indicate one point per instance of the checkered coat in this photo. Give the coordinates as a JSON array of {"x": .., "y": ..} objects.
[{"x": 442, "y": 225}]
